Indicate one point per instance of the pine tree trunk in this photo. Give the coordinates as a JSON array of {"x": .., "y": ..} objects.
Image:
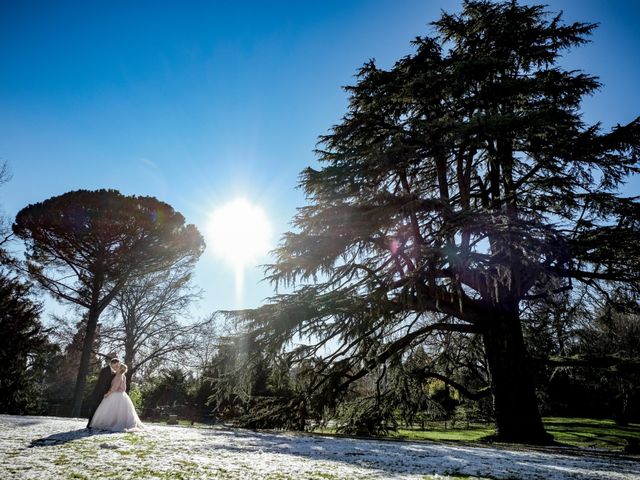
[
  {"x": 517, "y": 416},
  {"x": 83, "y": 370}
]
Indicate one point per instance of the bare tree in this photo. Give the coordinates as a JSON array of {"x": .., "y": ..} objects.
[
  {"x": 5, "y": 223},
  {"x": 148, "y": 321}
]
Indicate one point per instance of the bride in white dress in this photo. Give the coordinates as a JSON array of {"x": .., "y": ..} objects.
[{"x": 116, "y": 411}]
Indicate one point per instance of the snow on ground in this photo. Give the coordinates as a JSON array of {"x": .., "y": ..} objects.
[{"x": 49, "y": 447}]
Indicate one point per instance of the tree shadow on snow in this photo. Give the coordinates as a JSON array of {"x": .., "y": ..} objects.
[
  {"x": 405, "y": 457},
  {"x": 65, "y": 437}
]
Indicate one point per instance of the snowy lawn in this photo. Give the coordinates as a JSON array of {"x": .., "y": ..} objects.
[{"x": 49, "y": 447}]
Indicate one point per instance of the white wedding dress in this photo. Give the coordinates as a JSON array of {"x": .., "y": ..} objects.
[{"x": 116, "y": 411}]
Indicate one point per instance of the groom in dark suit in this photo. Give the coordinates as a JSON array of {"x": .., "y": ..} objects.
[{"x": 102, "y": 386}]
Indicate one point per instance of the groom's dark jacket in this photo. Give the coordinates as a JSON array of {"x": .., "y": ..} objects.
[
  {"x": 102, "y": 387},
  {"x": 103, "y": 384}
]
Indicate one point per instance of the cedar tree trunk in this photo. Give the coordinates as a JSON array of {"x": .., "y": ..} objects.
[{"x": 517, "y": 416}]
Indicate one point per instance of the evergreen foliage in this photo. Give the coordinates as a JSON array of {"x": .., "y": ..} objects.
[
  {"x": 461, "y": 187},
  {"x": 166, "y": 393},
  {"x": 25, "y": 351},
  {"x": 60, "y": 385},
  {"x": 615, "y": 332}
]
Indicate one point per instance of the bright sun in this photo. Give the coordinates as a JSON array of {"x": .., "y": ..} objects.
[{"x": 239, "y": 233}]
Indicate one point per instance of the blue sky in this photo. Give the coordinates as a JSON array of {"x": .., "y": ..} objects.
[{"x": 197, "y": 103}]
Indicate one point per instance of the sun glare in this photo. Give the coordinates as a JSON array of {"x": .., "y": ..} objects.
[{"x": 239, "y": 233}]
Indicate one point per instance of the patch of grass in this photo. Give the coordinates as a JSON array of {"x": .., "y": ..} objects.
[
  {"x": 468, "y": 477},
  {"x": 12, "y": 453},
  {"x": 84, "y": 450},
  {"x": 313, "y": 476},
  {"x": 575, "y": 432},
  {"x": 77, "y": 476},
  {"x": 473, "y": 433},
  {"x": 125, "y": 453},
  {"x": 144, "y": 453},
  {"x": 61, "y": 460},
  {"x": 329, "y": 476},
  {"x": 148, "y": 472},
  {"x": 454, "y": 477},
  {"x": 140, "y": 447},
  {"x": 222, "y": 473},
  {"x": 181, "y": 423},
  {"x": 180, "y": 475},
  {"x": 132, "y": 438},
  {"x": 590, "y": 432}
]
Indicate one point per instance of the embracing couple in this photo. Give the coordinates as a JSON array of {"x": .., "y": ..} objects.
[{"x": 111, "y": 407}]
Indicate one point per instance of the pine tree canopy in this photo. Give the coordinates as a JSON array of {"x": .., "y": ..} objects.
[
  {"x": 102, "y": 234},
  {"x": 84, "y": 246}
]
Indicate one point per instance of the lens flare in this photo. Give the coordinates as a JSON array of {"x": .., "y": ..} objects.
[{"x": 239, "y": 233}]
